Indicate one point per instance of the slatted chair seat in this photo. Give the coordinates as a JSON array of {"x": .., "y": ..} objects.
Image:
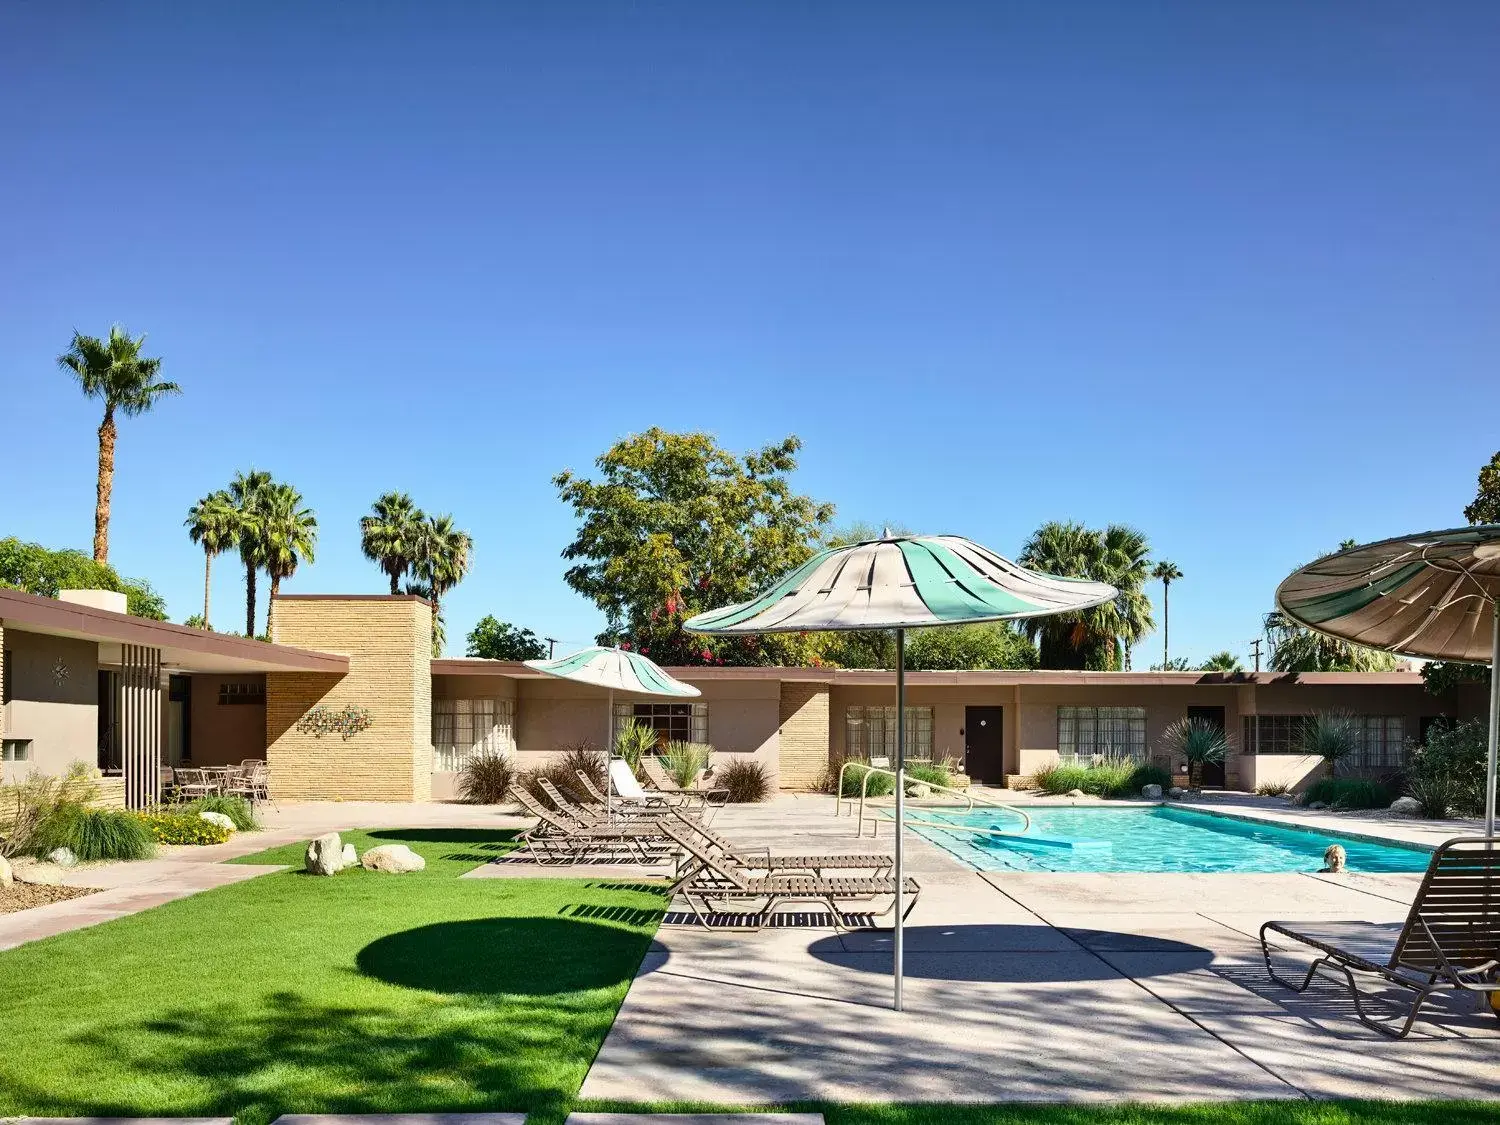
[
  {"x": 1449, "y": 941},
  {"x": 558, "y": 837},
  {"x": 665, "y": 783}
]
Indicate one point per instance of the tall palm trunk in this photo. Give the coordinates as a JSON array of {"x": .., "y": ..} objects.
[
  {"x": 208, "y": 562},
  {"x": 249, "y": 600},
  {"x": 1166, "y": 624},
  {"x": 271, "y": 604},
  {"x": 395, "y": 582},
  {"x": 105, "y": 485}
]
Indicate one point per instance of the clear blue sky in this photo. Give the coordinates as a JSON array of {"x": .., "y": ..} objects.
[{"x": 1228, "y": 272}]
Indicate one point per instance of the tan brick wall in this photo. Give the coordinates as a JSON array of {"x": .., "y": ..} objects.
[
  {"x": 803, "y": 741},
  {"x": 389, "y": 644}
]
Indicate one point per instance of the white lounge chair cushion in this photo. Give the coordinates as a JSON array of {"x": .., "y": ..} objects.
[{"x": 623, "y": 781}]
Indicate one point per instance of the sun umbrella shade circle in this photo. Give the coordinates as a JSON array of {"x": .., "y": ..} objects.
[{"x": 615, "y": 669}]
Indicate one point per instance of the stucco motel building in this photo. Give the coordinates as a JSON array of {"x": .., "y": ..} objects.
[{"x": 83, "y": 681}]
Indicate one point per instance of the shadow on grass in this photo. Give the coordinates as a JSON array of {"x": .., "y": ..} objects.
[{"x": 500, "y": 956}]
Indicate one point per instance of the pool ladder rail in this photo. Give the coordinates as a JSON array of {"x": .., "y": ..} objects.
[{"x": 864, "y": 796}]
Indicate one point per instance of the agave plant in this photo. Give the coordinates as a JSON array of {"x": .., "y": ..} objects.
[
  {"x": 1332, "y": 736},
  {"x": 633, "y": 741},
  {"x": 1197, "y": 740}
]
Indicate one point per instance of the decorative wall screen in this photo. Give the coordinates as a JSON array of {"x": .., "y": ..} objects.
[
  {"x": 1085, "y": 734},
  {"x": 462, "y": 727},
  {"x": 673, "y": 722},
  {"x": 871, "y": 732}
]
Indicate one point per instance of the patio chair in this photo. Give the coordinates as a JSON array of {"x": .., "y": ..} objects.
[
  {"x": 1450, "y": 940},
  {"x": 751, "y": 860},
  {"x": 560, "y": 838},
  {"x": 193, "y": 783},
  {"x": 652, "y": 804},
  {"x": 719, "y": 881},
  {"x": 623, "y": 782},
  {"x": 665, "y": 783}
]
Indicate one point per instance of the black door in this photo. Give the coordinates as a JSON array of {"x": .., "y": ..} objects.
[
  {"x": 1212, "y": 772},
  {"x": 984, "y": 744}
]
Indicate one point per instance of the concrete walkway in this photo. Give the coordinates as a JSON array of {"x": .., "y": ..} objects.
[{"x": 1023, "y": 987}]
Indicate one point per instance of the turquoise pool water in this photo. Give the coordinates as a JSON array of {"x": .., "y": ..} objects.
[{"x": 1148, "y": 839}]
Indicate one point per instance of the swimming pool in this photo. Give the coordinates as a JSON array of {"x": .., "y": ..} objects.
[{"x": 1147, "y": 839}]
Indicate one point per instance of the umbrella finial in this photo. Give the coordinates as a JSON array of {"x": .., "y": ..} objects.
[{"x": 886, "y": 533}]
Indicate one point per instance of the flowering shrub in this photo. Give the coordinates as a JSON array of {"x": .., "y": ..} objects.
[
  {"x": 183, "y": 828},
  {"x": 346, "y": 721}
]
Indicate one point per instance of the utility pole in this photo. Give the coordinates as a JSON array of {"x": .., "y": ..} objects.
[
  {"x": 1255, "y": 649},
  {"x": 552, "y": 647}
]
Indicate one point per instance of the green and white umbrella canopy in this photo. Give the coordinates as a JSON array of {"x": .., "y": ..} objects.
[
  {"x": 1435, "y": 595},
  {"x": 903, "y": 582},
  {"x": 616, "y": 669}
]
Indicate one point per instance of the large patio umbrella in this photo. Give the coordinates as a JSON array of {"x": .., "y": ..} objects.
[
  {"x": 1435, "y": 595},
  {"x": 902, "y": 582},
  {"x": 615, "y": 669}
]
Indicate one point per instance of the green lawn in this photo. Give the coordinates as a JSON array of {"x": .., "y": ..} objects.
[{"x": 359, "y": 993}]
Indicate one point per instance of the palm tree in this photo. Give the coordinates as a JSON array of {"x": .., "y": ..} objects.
[
  {"x": 289, "y": 532},
  {"x": 1225, "y": 661},
  {"x": 247, "y": 493},
  {"x": 115, "y": 371},
  {"x": 442, "y": 560},
  {"x": 214, "y": 525},
  {"x": 1167, "y": 573},
  {"x": 393, "y": 535},
  {"x": 1100, "y": 638}
]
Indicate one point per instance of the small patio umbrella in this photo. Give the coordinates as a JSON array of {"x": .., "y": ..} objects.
[
  {"x": 1435, "y": 595},
  {"x": 902, "y": 582},
  {"x": 615, "y": 669}
]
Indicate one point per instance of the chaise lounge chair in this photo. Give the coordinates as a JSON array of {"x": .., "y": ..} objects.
[
  {"x": 623, "y": 781},
  {"x": 720, "y": 881},
  {"x": 560, "y": 838},
  {"x": 751, "y": 860},
  {"x": 666, "y": 784},
  {"x": 1449, "y": 941}
]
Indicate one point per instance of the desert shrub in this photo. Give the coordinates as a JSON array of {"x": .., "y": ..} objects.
[
  {"x": 93, "y": 834},
  {"x": 927, "y": 773},
  {"x": 1120, "y": 777},
  {"x": 1332, "y": 736},
  {"x": 563, "y": 772},
  {"x": 684, "y": 761},
  {"x": 1347, "y": 793},
  {"x": 1272, "y": 789},
  {"x": 168, "y": 826},
  {"x": 485, "y": 777},
  {"x": 1144, "y": 775},
  {"x": 27, "y": 804},
  {"x": 236, "y": 809},
  {"x": 1199, "y": 741},
  {"x": 746, "y": 782},
  {"x": 633, "y": 742},
  {"x": 881, "y": 785},
  {"x": 1447, "y": 774}
]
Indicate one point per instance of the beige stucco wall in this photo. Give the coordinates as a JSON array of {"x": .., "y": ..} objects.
[
  {"x": 389, "y": 644},
  {"x": 947, "y": 703},
  {"x": 225, "y": 734},
  {"x": 60, "y": 719}
]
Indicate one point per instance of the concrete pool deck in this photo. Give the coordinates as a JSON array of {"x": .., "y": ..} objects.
[{"x": 1030, "y": 986}]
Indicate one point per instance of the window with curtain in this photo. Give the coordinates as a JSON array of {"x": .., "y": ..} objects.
[
  {"x": 1382, "y": 742},
  {"x": 673, "y": 722},
  {"x": 463, "y": 727},
  {"x": 870, "y": 732},
  {"x": 1087, "y": 734}
]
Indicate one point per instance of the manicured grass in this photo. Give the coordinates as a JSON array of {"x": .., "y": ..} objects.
[
  {"x": 357, "y": 993},
  {"x": 449, "y": 852}
]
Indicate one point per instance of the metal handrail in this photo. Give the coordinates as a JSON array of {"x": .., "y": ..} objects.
[{"x": 872, "y": 770}]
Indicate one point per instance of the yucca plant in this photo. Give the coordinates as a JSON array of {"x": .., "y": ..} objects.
[
  {"x": 684, "y": 761},
  {"x": 1197, "y": 740},
  {"x": 1330, "y": 735},
  {"x": 633, "y": 742}
]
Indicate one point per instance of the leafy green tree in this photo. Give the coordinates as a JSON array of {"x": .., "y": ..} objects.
[
  {"x": 443, "y": 556},
  {"x": 247, "y": 494},
  {"x": 1176, "y": 664},
  {"x": 1225, "y": 661},
  {"x": 491, "y": 639},
  {"x": 214, "y": 525},
  {"x": 115, "y": 372},
  {"x": 1101, "y": 638},
  {"x": 1166, "y": 573},
  {"x": 392, "y": 535},
  {"x": 35, "y": 569},
  {"x": 674, "y": 525},
  {"x": 289, "y": 534},
  {"x": 196, "y": 621},
  {"x": 1486, "y": 505},
  {"x": 995, "y": 645}
]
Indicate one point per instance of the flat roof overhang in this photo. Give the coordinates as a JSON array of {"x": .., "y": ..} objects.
[{"x": 182, "y": 648}]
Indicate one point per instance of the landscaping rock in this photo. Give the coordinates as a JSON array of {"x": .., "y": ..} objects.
[
  {"x": 1406, "y": 806},
  {"x": 393, "y": 859},
  {"x": 351, "y": 857},
  {"x": 1177, "y": 792},
  {"x": 325, "y": 855},
  {"x": 1318, "y": 805},
  {"x": 918, "y": 789},
  {"x": 40, "y": 874},
  {"x": 1077, "y": 793},
  {"x": 63, "y": 857},
  {"x": 6, "y": 878},
  {"x": 217, "y": 818},
  {"x": 1151, "y": 792}
]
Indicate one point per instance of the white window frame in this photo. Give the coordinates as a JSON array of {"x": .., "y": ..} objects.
[
  {"x": 1086, "y": 735},
  {"x": 462, "y": 728},
  {"x": 626, "y": 713}
]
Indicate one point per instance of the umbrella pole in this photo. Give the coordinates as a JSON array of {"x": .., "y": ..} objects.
[
  {"x": 1489, "y": 777},
  {"x": 609, "y": 754},
  {"x": 900, "y": 947}
]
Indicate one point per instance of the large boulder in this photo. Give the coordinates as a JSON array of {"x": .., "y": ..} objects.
[
  {"x": 6, "y": 878},
  {"x": 217, "y": 818},
  {"x": 1406, "y": 806},
  {"x": 1177, "y": 792},
  {"x": 918, "y": 789},
  {"x": 63, "y": 857},
  {"x": 393, "y": 859},
  {"x": 351, "y": 857},
  {"x": 325, "y": 855},
  {"x": 39, "y": 874},
  {"x": 1151, "y": 792}
]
